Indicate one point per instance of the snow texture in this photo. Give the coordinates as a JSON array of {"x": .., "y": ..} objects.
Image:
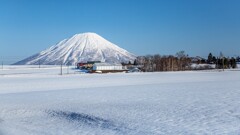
[
  {"x": 80, "y": 48},
  {"x": 187, "y": 103}
]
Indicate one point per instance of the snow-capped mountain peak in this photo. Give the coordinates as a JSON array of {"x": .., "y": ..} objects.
[{"x": 80, "y": 48}]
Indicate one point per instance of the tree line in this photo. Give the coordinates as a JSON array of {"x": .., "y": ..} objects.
[
  {"x": 152, "y": 63},
  {"x": 181, "y": 62},
  {"x": 222, "y": 62}
]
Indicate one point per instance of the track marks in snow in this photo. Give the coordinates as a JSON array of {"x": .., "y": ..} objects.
[{"x": 89, "y": 120}]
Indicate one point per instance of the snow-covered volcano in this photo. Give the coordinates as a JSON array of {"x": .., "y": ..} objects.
[{"x": 80, "y": 48}]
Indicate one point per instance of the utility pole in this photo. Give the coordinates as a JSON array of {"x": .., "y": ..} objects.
[
  {"x": 222, "y": 56},
  {"x": 39, "y": 64},
  {"x": 2, "y": 65},
  {"x": 223, "y": 63},
  {"x": 61, "y": 69}
]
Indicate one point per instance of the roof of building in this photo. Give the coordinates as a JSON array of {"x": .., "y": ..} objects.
[{"x": 107, "y": 64}]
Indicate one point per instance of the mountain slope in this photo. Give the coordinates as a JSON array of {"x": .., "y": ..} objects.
[{"x": 80, "y": 48}]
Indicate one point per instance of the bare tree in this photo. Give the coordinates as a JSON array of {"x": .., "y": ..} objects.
[{"x": 152, "y": 63}]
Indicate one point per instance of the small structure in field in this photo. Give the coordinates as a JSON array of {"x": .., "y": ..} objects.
[
  {"x": 108, "y": 67},
  {"x": 86, "y": 65},
  {"x": 134, "y": 70},
  {"x": 81, "y": 64}
]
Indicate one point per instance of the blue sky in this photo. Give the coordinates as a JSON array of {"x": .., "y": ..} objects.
[{"x": 139, "y": 26}]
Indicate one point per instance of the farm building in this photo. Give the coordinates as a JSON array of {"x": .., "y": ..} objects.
[
  {"x": 108, "y": 67},
  {"x": 86, "y": 65}
]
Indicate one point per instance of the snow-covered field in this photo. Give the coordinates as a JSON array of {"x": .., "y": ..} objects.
[{"x": 40, "y": 102}]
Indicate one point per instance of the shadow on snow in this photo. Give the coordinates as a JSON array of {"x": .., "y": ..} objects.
[{"x": 90, "y": 120}]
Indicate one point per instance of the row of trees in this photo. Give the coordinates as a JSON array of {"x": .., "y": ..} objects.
[
  {"x": 222, "y": 62},
  {"x": 181, "y": 62},
  {"x": 151, "y": 63}
]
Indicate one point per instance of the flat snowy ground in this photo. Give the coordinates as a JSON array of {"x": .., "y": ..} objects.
[{"x": 41, "y": 102}]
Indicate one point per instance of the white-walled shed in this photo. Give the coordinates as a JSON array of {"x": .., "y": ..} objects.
[{"x": 107, "y": 67}]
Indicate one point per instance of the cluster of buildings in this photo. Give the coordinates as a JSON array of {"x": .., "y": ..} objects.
[{"x": 103, "y": 67}]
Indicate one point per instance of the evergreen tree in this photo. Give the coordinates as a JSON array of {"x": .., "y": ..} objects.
[
  {"x": 233, "y": 63},
  {"x": 214, "y": 59},
  {"x": 129, "y": 63},
  {"x": 210, "y": 58},
  {"x": 135, "y": 62}
]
